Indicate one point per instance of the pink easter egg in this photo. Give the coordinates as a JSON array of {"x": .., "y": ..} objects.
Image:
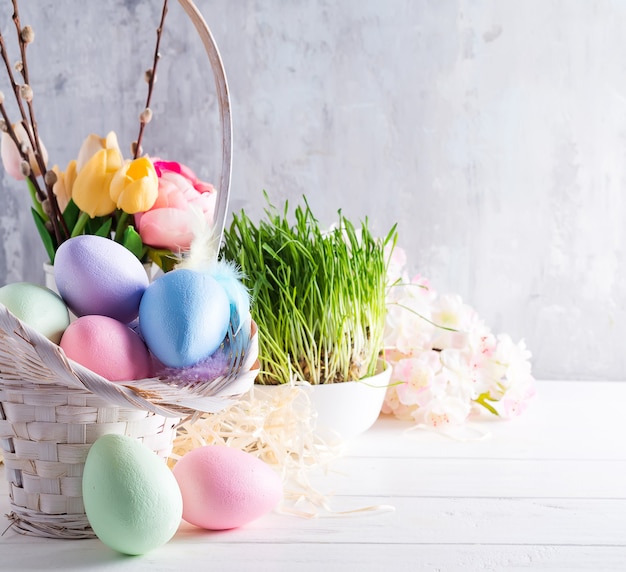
[
  {"x": 107, "y": 347},
  {"x": 224, "y": 488}
]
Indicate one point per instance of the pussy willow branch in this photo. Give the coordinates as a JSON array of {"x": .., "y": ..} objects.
[
  {"x": 16, "y": 92},
  {"x": 18, "y": 27},
  {"x": 14, "y": 86},
  {"x": 34, "y": 139},
  {"x": 151, "y": 79},
  {"x": 34, "y": 136}
]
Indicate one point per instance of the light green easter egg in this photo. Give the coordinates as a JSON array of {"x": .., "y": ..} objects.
[
  {"x": 131, "y": 497},
  {"x": 40, "y": 308}
]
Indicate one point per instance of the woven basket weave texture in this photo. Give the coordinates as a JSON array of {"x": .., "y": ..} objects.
[{"x": 46, "y": 434}]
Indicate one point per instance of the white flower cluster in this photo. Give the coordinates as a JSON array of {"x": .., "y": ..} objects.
[{"x": 447, "y": 364}]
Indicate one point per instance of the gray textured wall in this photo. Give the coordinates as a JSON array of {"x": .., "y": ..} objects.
[{"x": 492, "y": 131}]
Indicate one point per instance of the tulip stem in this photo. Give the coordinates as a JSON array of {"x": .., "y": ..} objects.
[
  {"x": 80, "y": 224},
  {"x": 122, "y": 223}
]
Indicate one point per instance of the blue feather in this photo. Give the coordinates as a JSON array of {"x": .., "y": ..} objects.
[{"x": 229, "y": 276}]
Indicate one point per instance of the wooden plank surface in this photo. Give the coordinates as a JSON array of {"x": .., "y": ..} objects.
[{"x": 546, "y": 491}]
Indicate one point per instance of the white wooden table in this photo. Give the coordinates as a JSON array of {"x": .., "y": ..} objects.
[{"x": 546, "y": 491}]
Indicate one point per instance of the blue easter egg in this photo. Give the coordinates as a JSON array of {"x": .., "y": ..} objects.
[{"x": 184, "y": 317}]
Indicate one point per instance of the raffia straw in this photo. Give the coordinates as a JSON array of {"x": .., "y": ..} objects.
[{"x": 274, "y": 431}]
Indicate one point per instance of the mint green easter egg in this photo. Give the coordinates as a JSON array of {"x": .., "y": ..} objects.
[
  {"x": 132, "y": 500},
  {"x": 40, "y": 308}
]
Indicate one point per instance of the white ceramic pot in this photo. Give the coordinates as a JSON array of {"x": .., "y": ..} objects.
[
  {"x": 343, "y": 410},
  {"x": 48, "y": 271}
]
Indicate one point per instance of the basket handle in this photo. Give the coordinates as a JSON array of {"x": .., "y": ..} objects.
[{"x": 224, "y": 107}]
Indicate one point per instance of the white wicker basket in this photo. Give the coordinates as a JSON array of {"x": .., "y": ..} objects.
[{"x": 53, "y": 409}]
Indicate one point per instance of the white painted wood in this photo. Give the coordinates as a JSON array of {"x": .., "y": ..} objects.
[
  {"x": 480, "y": 478},
  {"x": 545, "y": 492},
  {"x": 278, "y": 557},
  {"x": 567, "y": 420}
]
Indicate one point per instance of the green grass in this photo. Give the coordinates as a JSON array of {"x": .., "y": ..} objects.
[{"x": 318, "y": 298}]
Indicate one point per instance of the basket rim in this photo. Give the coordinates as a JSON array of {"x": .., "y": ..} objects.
[{"x": 47, "y": 363}]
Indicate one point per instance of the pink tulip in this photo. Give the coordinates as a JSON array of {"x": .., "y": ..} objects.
[
  {"x": 168, "y": 224},
  {"x": 11, "y": 158}
]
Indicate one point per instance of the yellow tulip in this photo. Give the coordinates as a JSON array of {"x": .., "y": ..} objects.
[
  {"x": 92, "y": 144},
  {"x": 91, "y": 187},
  {"x": 135, "y": 186},
  {"x": 65, "y": 181}
]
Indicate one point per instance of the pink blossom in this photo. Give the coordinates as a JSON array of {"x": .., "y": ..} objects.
[
  {"x": 446, "y": 362},
  {"x": 168, "y": 224},
  {"x": 514, "y": 407},
  {"x": 408, "y": 325},
  {"x": 443, "y": 410},
  {"x": 392, "y": 405},
  {"x": 416, "y": 374}
]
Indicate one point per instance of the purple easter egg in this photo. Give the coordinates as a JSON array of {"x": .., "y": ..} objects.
[{"x": 97, "y": 276}]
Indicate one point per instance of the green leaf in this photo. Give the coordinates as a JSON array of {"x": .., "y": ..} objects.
[
  {"x": 132, "y": 241},
  {"x": 482, "y": 400},
  {"x": 93, "y": 224},
  {"x": 105, "y": 229},
  {"x": 163, "y": 258},
  {"x": 70, "y": 215},
  {"x": 48, "y": 240},
  {"x": 36, "y": 204}
]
